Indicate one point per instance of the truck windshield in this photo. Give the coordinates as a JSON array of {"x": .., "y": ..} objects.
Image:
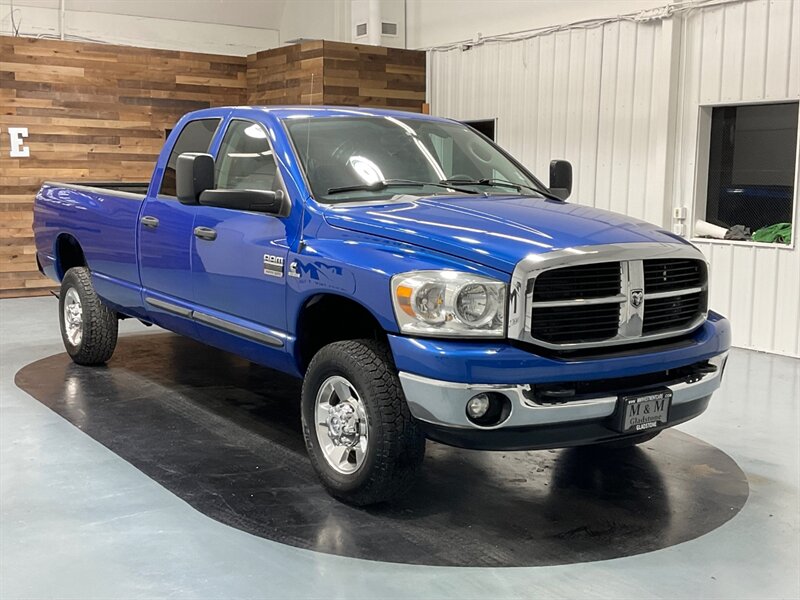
[{"x": 352, "y": 158}]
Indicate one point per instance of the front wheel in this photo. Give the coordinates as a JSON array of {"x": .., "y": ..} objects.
[
  {"x": 88, "y": 327},
  {"x": 363, "y": 442}
]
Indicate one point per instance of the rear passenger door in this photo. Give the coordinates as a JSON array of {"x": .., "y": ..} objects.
[
  {"x": 165, "y": 236},
  {"x": 238, "y": 257}
]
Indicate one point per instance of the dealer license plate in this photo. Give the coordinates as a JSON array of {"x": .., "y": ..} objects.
[{"x": 644, "y": 411}]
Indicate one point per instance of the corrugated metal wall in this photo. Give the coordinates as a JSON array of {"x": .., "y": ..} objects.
[
  {"x": 583, "y": 95},
  {"x": 621, "y": 103},
  {"x": 743, "y": 52}
]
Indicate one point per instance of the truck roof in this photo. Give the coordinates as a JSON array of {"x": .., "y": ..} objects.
[{"x": 284, "y": 112}]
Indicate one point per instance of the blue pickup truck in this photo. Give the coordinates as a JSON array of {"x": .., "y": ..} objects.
[{"x": 421, "y": 281}]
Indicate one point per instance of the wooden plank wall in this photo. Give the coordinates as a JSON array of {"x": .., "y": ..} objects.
[
  {"x": 98, "y": 112},
  {"x": 94, "y": 112},
  {"x": 284, "y": 75},
  {"x": 358, "y": 75},
  {"x": 343, "y": 75}
]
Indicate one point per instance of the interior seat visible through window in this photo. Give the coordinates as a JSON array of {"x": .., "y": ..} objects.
[{"x": 245, "y": 158}]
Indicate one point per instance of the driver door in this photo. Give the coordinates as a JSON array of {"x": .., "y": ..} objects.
[{"x": 238, "y": 257}]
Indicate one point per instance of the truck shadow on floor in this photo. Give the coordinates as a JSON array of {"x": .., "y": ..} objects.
[{"x": 224, "y": 435}]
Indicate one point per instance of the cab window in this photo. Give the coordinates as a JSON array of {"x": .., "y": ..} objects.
[
  {"x": 245, "y": 160},
  {"x": 196, "y": 136}
]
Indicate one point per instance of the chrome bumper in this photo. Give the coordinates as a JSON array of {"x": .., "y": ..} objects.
[{"x": 443, "y": 403}]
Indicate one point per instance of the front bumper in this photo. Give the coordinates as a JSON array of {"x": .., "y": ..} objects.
[
  {"x": 554, "y": 435},
  {"x": 499, "y": 362},
  {"x": 440, "y": 407}
]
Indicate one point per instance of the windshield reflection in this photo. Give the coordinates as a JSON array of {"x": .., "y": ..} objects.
[{"x": 346, "y": 158}]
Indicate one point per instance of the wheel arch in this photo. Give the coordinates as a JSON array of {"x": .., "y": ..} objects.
[
  {"x": 68, "y": 253},
  {"x": 327, "y": 317}
]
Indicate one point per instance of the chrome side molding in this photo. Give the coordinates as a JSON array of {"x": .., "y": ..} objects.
[
  {"x": 169, "y": 307},
  {"x": 258, "y": 336},
  {"x": 216, "y": 322}
]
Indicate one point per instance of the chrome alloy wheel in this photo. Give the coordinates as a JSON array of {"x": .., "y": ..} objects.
[
  {"x": 341, "y": 425},
  {"x": 73, "y": 317}
]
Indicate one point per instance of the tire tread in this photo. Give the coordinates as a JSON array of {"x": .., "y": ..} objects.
[
  {"x": 100, "y": 323},
  {"x": 401, "y": 447}
]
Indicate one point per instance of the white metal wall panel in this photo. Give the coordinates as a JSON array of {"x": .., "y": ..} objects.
[
  {"x": 743, "y": 52},
  {"x": 583, "y": 95},
  {"x": 621, "y": 102}
]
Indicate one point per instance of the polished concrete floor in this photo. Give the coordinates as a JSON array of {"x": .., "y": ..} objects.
[
  {"x": 224, "y": 435},
  {"x": 79, "y": 521}
]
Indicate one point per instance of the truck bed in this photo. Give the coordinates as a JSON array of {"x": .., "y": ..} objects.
[
  {"x": 104, "y": 217},
  {"x": 125, "y": 187}
]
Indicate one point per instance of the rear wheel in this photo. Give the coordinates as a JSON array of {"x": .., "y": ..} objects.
[
  {"x": 363, "y": 442},
  {"x": 88, "y": 327}
]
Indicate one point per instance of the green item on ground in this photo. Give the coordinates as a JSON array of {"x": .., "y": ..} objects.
[{"x": 779, "y": 233}]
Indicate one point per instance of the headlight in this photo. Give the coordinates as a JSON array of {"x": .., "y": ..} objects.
[{"x": 449, "y": 303}]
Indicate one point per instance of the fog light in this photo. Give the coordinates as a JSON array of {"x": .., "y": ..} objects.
[
  {"x": 478, "y": 406},
  {"x": 488, "y": 409}
]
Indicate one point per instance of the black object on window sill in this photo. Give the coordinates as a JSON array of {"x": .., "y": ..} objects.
[{"x": 739, "y": 233}]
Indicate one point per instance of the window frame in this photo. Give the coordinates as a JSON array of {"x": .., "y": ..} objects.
[
  {"x": 702, "y": 159},
  {"x": 219, "y": 121}
]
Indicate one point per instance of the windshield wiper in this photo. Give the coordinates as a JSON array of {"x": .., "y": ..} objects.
[
  {"x": 387, "y": 183},
  {"x": 502, "y": 183}
]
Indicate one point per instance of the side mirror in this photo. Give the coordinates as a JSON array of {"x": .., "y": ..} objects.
[
  {"x": 264, "y": 201},
  {"x": 194, "y": 174},
  {"x": 560, "y": 178}
]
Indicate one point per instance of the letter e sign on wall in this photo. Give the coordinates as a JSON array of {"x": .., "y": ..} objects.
[{"x": 18, "y": 147}]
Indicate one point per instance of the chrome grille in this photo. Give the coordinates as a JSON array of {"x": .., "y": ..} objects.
[
  {"x": 673, "y": 274},
  {"x": 606, "y": 295},
  {"x": 582, "y": 281},
  {"x": 568, "y": 324},
  {"x": 672, "y": 311}
]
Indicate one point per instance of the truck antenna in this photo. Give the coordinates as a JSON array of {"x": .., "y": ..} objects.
[{"x": 302, "y": 244}]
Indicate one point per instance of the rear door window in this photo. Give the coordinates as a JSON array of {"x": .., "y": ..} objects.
[{"x": 196, "y": 136}]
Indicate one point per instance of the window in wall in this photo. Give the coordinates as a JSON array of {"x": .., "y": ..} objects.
[
  {"x": 484, "y": 126},
  {"x": 751, "y": 169},
  {"x": 195, "y": 137},
  {"x": 245, "y": 159}
]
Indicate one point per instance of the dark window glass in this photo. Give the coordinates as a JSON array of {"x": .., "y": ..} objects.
[
  {"x": 751, "y": 167},
  {"x": 484, "y": 126},
  {"x": 245, "y": 159},
  {"x": 196, "y": 136}
]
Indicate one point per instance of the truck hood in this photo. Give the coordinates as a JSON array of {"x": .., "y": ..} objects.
[{"x": 496, "y": 231}]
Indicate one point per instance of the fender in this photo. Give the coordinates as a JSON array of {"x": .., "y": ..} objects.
[{"x": 347, "y": 265}]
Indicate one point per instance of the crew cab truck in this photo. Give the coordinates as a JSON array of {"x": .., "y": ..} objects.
[{"x": 421, "y": 281}]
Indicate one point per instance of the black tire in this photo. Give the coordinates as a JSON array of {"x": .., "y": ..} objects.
[
  {"x": 99, "y": 326},
  {"x": 395, "y": 446},
  {"x": 627, "y": 442}
]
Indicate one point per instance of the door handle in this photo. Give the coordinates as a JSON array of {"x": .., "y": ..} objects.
[
  {"x": 205, "y": 233},
  {"x": 150, "y": 222}
]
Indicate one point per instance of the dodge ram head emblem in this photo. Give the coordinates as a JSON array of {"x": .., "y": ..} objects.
[{"x": 637, "y": 297}]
